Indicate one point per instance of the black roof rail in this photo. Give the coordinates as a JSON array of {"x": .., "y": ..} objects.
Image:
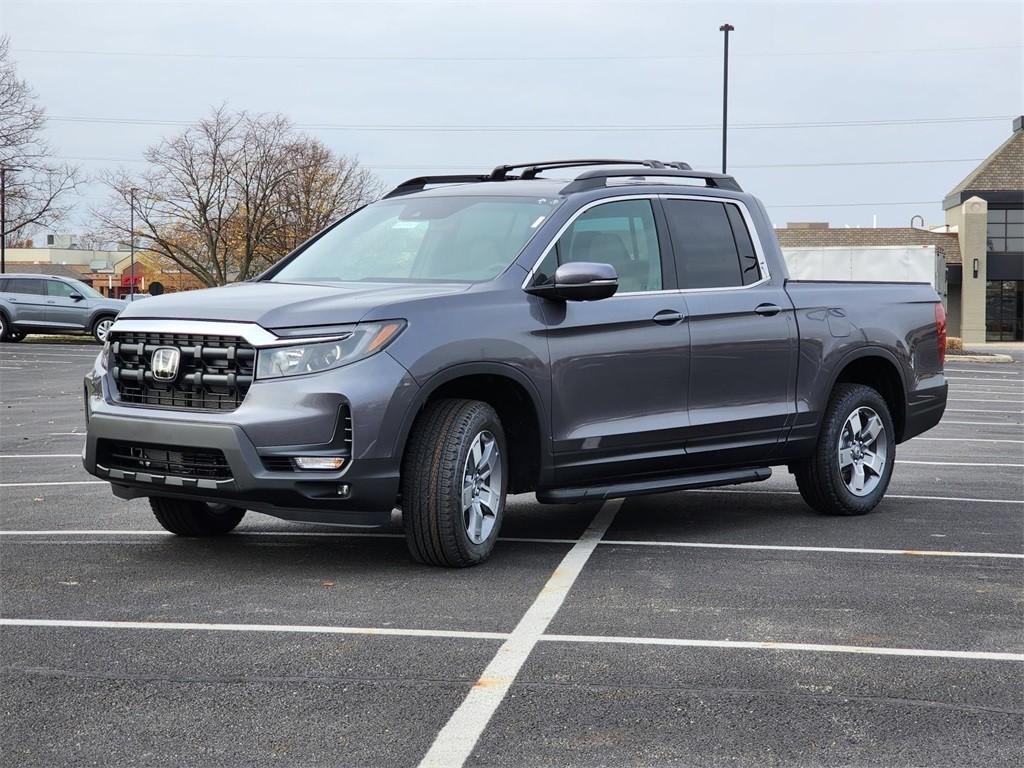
[
  {"x": 418, "y": 183},
  {"x": 594, "y": 179},
  {"x": 530, "y": 170}
]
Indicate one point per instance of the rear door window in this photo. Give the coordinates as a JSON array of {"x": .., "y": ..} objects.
[
  {"x": 27, "y": 285},
  {"x": 712, "y": 246}
]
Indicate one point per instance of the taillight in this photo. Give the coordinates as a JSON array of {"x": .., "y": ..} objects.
[{"x": 940, "y": 329}]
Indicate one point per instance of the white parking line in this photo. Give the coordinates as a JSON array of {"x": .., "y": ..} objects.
[
  {"x": 830, "y": 550},
  {"x": 621, "y": 542},
  {"x": 979, "y": 370},
  {"x": 759, "y": 645},
  {"x": 887, "y": 496},
  {"x": 307, "y": 534},
  {"x": 980, "y": 400},
  {"x": 956, "y": 463},
  {"x": 984, "y": 423},
  {"x": 980, "y": 411},
  {"x": 40, "y": 455},
  {"x": 972, "y": 378},
  {"x": 47, "y": 362},
  {"x": 65, "y": 482},
  {"x": 456, "y": 740},
  {"x": 768, "y": 645},
  {"x": 55, "y": 355},
  {"x": 304, "y": 629},
  {"x": 966, "y": 440}
]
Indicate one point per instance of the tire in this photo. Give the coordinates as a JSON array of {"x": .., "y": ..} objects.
[
  {"x": 452, "y": 508},
  {"x": 101, "y": 327},
  {"x": 7, "y": 331},
  {"x": 828, "y": 480},
  {"x": 187, "y": 517}
]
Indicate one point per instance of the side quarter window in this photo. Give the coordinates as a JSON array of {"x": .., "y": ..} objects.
[
  {"x": 622, "y": 234},
  {"x": 749, "y": 266}
]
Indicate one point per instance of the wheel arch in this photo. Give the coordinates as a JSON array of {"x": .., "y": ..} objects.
[
  {"x": 879, "y": 369},
  {"x": 99, "y": 314},
  {"x": 516, "y": 400}
]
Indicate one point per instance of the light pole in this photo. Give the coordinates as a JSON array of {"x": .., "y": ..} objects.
[
  {"x": 3, "y": 219},
  {"x": 131, "y": 244},
  {"x": 727, "y": 28}
]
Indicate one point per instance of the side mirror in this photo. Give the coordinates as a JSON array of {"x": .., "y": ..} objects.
[
  {"x": 580, "y": 281},
  {"x": 75, "y": 296}
]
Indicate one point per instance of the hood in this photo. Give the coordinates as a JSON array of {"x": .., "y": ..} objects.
[{"x": 283, "y": 305}]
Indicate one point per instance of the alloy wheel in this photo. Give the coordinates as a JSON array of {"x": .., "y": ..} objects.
[
  {"x": 481, "y": 487},
  {"x": 103, "y": 328},
  {"x": 863, "y": 451}
]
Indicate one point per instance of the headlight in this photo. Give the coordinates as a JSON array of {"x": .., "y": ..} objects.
[
  {"x": 103, "y": 359},
  {"x": 362, "y": 341}
]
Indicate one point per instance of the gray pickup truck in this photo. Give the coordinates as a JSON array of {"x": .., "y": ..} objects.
[{"x": 629, "y": 331}]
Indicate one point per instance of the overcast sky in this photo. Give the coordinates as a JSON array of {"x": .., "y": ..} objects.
[{"x": 526, "y": 80}]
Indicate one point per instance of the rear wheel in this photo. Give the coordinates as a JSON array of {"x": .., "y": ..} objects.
[
  {"x": 852, "y": 463},
  {"x": 453, "y": 483},
  {"x": 101, "y": 328},
  {"x": 188, "y": 517}
]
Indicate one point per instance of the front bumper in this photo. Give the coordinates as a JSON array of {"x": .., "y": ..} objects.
[{"x": 278, "y": 418}]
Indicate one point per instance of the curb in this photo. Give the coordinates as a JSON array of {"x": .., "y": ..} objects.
[{"x": 978, "y": 358}]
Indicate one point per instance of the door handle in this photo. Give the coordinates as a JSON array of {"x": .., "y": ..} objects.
[
  {"x": 668, "y": 317},
  {"x": 767, "y": 310}
]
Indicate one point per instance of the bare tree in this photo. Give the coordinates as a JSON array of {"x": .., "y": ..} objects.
[
  {"x": 230, "y": 195},
  {"x": 36, "y": 186}
]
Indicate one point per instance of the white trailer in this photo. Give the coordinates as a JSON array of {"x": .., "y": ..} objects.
[{"x": 887, "y": 263}]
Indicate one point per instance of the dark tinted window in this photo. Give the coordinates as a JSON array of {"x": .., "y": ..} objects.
[
  {"x": 706, "y": 253},
  {"x": 5, "y": 285},
  {"x": 744, "y": 245},
  {"x": 26, "y": 285},
  {"x": 622, "y": 234}
]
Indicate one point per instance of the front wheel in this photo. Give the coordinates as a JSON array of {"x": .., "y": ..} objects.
[
  {"x": 188, "y": 517},
  {"x": 8, "y": 332},
  {"x": 453, "y": 483},
  {"x": 852, "y": 462},
  {"x": 101, "y": 328}
]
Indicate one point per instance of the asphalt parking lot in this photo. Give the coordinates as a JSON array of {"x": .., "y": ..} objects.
[{"x": 705, "y": 628}]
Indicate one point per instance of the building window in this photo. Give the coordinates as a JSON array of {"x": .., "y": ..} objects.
[
  {"x": 1006, "y": 231},
  {"x": 1004, "y": 310}
]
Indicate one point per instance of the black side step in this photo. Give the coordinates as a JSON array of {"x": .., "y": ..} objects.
[{"x": 654, "y": 485}]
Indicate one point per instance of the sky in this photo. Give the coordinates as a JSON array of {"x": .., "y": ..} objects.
[{"x": 849, "y": 113}]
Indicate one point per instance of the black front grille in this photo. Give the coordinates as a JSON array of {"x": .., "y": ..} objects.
[
  {"x": 214, "y": 372},
  {"x": 167, "y": 460}
]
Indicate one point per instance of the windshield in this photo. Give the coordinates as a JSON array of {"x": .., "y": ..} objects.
[
  {"x": 88, "y": 291},
  {"x": 428, "y": 239}
]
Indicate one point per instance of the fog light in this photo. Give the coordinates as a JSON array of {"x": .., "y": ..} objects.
[{"x": 319, "y": 462}]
